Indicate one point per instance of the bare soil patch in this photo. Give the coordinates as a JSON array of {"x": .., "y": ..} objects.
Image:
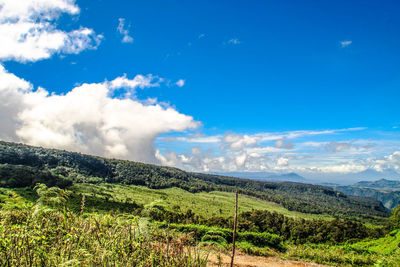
[{"x": 244, "y": 260}]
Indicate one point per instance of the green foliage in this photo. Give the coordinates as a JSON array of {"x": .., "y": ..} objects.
[
  {"x": 50, "y": 237},
  {"x": 293, "y": 196},
  {"x": 261, "y": 239},
  {"x": 198, "y": 230},
  {"x": 208, "y": 233},
  {"x": 205, "y": 204},
  {"x": 249, "y": 248},
  {"x": 51, "y": 196},
  {"x": 21, "y": 176},
  {"x": 213, "y": 238},
  {"x": 56, "y": 214},
  {"x": 255, "y": 226},
  {"x": 383, "y": 251},
  {"x": 386, "y": 245},
  {"x": 9, "y": 199},
  {"x": 394, "y": 220},
  {"x": 341, "y": 255},
  {"x": 301, "y": 231}
]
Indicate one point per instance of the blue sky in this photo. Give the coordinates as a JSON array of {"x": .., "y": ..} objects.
[{"x": 297, "y": 85}]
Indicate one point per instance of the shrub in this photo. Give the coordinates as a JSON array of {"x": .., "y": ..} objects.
[{"x": 257, "y": 239}]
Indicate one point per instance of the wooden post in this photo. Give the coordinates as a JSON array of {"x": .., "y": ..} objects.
[{"x": 234, "y": 228}]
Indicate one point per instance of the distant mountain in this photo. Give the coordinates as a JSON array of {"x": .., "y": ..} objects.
[
  {"x": 386, "y": 191},
  {"x": 289, "y": 177},
  {"x": 247, "y": 175},
  {"x": 373, "y": 175},
  {"x": 389, "y": 185},
  {"x": 351, "y": 178},
  {"x": 267, "y": 176}
]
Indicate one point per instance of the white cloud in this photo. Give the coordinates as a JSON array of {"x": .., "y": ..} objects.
[
  {"x": 282, "y": 143},
  {"x": 293, "y": 151},
  {"x": 234, "y": 41},
  {"x": 28, "y": 30},
  {"x": 240, "y": 160},
  {"x": 193, "y": 139},
  {"x": 47, "y": 9},
  {"x": 237, "y": 142},
  {"x": 316, "y": 163},
  {"x": 139, "y": 81},
  {"x": 346, "y": 43},
  {"x": 11, "y": 90},
  {"x": 389, "y": 162},
  {"x": 337, "y": 146},
  {"x": 87, "y": 118},
  {"x": 247, "y": 139},
  {"x": 341, "y": 168},
  {"x": 282, "y": 162},
  {"x": 124, "y": 30},
  {"x": 262, "y": 150},
  {"x": 180, "y": 83}
]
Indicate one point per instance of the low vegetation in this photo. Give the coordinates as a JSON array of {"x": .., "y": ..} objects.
[
  {"x": 48, "y": 234},
  {"x": 62, "y": 208}
]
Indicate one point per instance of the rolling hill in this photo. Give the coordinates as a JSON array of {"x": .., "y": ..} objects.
[{"x": 18, "y": 162}]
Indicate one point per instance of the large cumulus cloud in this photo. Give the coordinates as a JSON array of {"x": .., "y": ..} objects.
[{"x": 87, "y": 118}]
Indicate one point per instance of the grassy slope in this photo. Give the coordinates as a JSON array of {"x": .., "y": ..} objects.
[
  {"x": 83, "y": 168},
  {"x": 385, "y": 245},
  {"x": 204, "y": 204},
  {"x": 384, "y": 251},
  {"x": 214, "y": 203}
]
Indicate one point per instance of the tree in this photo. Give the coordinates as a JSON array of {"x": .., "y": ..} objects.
[{"x": 394, "y": 220}]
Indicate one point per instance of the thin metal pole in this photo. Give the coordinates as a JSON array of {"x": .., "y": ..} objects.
[{"x": 234, "y": 228}]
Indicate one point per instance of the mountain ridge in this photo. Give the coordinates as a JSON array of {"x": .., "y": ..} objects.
[{"x": 384, "y": 190}]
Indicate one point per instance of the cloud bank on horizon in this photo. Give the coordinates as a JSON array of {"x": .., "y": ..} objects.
[
  {"x": 108, "y": 118},
  {"x": 293, "y": 151}
]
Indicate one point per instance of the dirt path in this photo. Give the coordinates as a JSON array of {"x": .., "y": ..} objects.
[{"x": 244, "y": 260}]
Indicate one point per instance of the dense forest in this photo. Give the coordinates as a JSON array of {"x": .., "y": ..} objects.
[{"x": 19, "y": 160}]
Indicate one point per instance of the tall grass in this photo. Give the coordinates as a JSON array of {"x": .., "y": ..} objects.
[
  {"x": 44, "y": 236},
  {"x": 341, "y": 255}
]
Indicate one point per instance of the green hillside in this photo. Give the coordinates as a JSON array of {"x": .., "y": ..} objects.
[
  {"x": 206, "y": 204},
  {"x": 147, "y": 210},
  {"x": 385, "y": 245},
  {"x": 67, "y": 167}
]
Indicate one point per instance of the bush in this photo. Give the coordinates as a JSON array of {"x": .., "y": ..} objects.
[
  {"x": 213, "y": 238},
  {"x": 262, "y": 239},
  {"x": 200, "y": 231}
]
